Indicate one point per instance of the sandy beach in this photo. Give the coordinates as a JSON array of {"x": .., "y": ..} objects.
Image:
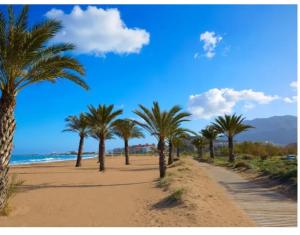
[{"x": 58, "y": 194}]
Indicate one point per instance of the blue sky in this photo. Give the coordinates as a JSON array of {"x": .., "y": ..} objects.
[{"x": 250, "y": 68}]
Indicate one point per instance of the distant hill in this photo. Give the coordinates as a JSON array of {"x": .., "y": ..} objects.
[{"x": 277, "y": 129}]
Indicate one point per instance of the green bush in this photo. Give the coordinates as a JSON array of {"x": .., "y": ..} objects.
[
  {"x": 242, "y": 164},
  {"x": 246, "y": 157},
  {"x": 275, "y": 167},
  {"x": 176, "y": 196}
]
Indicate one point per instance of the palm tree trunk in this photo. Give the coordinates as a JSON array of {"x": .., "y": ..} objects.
[
  {"x": 162, "y": 163},
  {"x": 170, "y": 160},
  {"x": 200, "y": 153},
  {"x": 178, "y": 152},
  {"x": 79, "y": 153},
  {"x": 101, "y": 154},
  {"x": 7, "y": 128},
  {"x": 211, "y": 149},
  {"x": 126, "y": 152},
  {"x": 230, "y": 148}
]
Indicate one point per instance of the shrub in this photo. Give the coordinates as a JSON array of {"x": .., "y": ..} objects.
[
  {"x": 263, "y": 157},
  {"x": 163, "y": 182},
  {"x": 242, "y": 164},
  {"x": 176, "y": 196},
  {"x": 247, "y": 157}
]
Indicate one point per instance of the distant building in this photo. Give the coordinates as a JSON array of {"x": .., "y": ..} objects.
[{"x": 135, "y": 149}]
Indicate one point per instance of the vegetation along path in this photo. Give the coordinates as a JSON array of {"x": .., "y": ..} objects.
[{"x": 267, "y": 208}]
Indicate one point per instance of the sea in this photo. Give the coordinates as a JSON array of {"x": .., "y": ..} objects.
[{"x": 44, "y": 158}]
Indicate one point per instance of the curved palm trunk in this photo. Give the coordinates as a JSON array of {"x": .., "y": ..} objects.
[
  {"x": 79, "y": 153},
  {"x": 230, "y": 148},
  {"x": 171, "y": 159},
  {"x": 126, "y": 152},
  {"x": 101, "y": 154},
  {"x": 7, "y": 128},
  {"x": 211, "y": 149},
  {"x": 178, "y": 152},
  {"x": 162, "y": 163}
]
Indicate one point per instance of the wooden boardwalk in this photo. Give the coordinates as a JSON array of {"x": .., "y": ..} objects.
[{"x": 265, "y": 207}]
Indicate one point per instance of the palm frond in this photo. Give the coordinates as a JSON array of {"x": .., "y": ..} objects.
[
  {"x": 101, "y": 120},
  {"x": 77, "y": 124},
  {"x": 27, "y": 57},
  {"x": 230, "y": 125},
  {"x": 160, "y": 123},
  {"x": 127, "y": 129}
]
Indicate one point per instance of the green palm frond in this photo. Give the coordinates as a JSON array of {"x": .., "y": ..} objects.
[
  {"x": 27, "y": 56},
  {"x": 210, "y": 133},
  {"x": 127, "y": 129},
  {"x": 159, "y": 123},
  {"x": 230, "y": 125},
  {"x": 101, "y": 120},
  {"x": 77, "y": 124},
  {"x": 199, "y": 141}
]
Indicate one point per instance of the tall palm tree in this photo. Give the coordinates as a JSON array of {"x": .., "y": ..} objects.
[
  {"x": 230, "y": 126},
  {"x": 101, "y": 123},
  {"x": 178, "y": 142},
  {"x": 199, "y": 143},
  {"x": 27, "y": 57},
  {"x": 158, "y": 123},
  {"x": 127, "y": 129},
  {"x": 210, "y": 133},
  {"x": 173, "y": 137},
  {"x": 80, "y": 126}
]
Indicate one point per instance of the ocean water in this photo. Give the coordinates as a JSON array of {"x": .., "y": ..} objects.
[{"x": 40, "y": 158}]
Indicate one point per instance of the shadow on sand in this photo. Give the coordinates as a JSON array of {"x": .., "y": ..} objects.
[
  {"x": 167, "y": 202},
  {"x": 25, "y": 188}
]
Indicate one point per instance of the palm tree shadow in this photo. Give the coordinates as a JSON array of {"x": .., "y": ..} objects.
[
  {"x": 167, "y": 202},
  {"x": 139, "y": 169},
  {"x": 26, "y": 188}
]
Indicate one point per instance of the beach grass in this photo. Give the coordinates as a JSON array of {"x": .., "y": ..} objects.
[
  {"x": 11, "y": 191},
  {"x": 276, "y": 168}
]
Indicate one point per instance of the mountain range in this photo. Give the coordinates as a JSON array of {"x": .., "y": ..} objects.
[{"x": 280, "y": 130}]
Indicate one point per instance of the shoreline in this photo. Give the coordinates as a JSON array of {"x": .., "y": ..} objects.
[
  {"x": 44, "y": 162},
  {"x": 74, "y": 159}
]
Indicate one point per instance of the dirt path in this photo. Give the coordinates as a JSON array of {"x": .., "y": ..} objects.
[
  {"x": 267, "y": 208},
  {"x": 58, "y": 194}
]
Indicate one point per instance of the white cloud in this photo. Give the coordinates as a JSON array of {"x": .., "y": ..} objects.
[
  {"x": 216, "y": 101},
  {"x": 98, "y": 31},
  {"x": 290, "y": 100},
  {"x": 211, "y": 41},
  {"x": 294, "y": 84}
]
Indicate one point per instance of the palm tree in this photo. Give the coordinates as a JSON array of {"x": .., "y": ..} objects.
[
  {"x": 158, "y": 123},
  {"x": 230, "y": 125},
  {"x": 178, "y": 142},
  {"x": 101, "y": 123},
  {"x": 210, "y": 134},
  {"x": 127, "y": 129},
  {"x": 175, "y": 134},
  {"x": 78, "y": 125},
  {"x": 27, "y": 57},
  {"x": 199, "y": 143}
]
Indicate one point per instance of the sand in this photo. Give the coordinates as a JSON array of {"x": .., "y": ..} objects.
[{"x": 58, "y": 194}]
